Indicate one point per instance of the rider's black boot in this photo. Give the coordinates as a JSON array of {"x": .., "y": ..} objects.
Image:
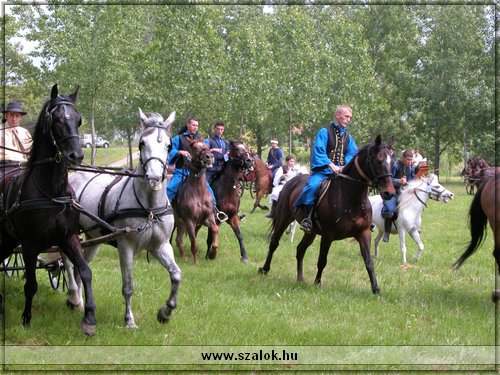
[
  {"x": 306, "y": 223},
  {"x": 387, "y": 228}
]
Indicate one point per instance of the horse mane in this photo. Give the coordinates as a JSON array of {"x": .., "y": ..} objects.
[
  {"x": 41, "y": 128},
  {"x": 407, "y": 193}
]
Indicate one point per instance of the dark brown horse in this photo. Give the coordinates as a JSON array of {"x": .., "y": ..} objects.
[
  {"x": 39, "y": 210},
  {"x": 475, "y": 170},
  {"x": 483, "y": 211},
  {"x": 263, "y": 183},
  {"x": 343, "y": 211},
  {"x": 194, "y": 204},
  {"x": 226, "y": 191}
]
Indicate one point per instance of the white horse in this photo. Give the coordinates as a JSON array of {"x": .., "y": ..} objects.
[
  {"x": 138, "y": 203},
  {"x": 411, "y": 203}
]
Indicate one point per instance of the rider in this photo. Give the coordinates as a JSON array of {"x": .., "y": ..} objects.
[
  {"x": 402, "y": 172},
  {"x": 284, "y": 174},
  {"x": 333, "y": 148},
  {"x": 219, "y": 147},
  {"x": 274, "y": 157},
  {"x": 15, "y": 141},
  {"x": 179, "y": 156}
]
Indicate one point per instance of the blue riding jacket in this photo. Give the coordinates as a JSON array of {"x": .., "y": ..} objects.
[
  {"x": 320, "y": 161},
  {"x": 181, "y": 171}
]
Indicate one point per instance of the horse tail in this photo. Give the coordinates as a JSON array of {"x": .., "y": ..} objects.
[
  {"x": 477, "y": 224},
  {"x": 281, "y": 211}
]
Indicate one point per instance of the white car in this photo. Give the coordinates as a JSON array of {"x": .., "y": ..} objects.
[{"x": 86, "y": 141}]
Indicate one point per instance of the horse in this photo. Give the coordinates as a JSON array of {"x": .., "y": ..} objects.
[
  {"x": 263, "y": 183},
  {"x": 225, "y": 187},
  {"x": 343, "y": 209},
  {"x": 413, "y": 199},
  {"x": 483, "y": 211},
  {"x": 194, "y": 205},
  {"x": 473, "y": 173},
  {"x": 39, "y": 204},
  {"x": 137, "y": 201}
]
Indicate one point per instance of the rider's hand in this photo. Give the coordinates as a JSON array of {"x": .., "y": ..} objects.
[{"x": 402, "y": 181}]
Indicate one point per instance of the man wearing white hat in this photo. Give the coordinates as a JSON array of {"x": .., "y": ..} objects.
[
  {"x": 15, "y": 141},
  {"x": 275, "y": 157}
]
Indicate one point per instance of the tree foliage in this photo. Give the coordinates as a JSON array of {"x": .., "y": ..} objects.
[{"x": 423, "y": 74}]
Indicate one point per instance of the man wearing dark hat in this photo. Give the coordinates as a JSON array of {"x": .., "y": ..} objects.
[{"x": 15, "y": 141}]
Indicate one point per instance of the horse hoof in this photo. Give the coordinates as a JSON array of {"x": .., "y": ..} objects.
[
  {"x": 495, "y": 296},
  {"x": 376, "y": 291},
  {"x": 88, "y": 329},
  {"x": 74, "y": 306},
  {"x": 244, "y": 260},
  {"x": 262, "y": 271},
  {"x": 164, "y": 314}
]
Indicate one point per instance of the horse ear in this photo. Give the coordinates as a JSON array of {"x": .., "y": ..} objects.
[
  {"x": 142, "y": 116},
  {"x": 167, "y": 124},
  {"x": 74, "y": 95},
  {"x": 378, "y": 140},
  {"x": 54, "y": 92}
]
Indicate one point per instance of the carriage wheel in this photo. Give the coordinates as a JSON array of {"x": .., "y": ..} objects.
[
  {"x": 57, "y": 274},
  {"x": 15, "y": 260},
  {"x": 251, "y": 186}
]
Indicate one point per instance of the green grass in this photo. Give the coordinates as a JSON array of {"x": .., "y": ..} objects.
[
  {"x": 225, "y": 302},
  {"x": 106, "y": 156}
]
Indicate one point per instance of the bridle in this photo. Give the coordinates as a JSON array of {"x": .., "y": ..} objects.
[
  {"x": 49, "y": 111},
  {"x": 371, "y": 182},
  {"x": 159, "y": 139},
  {"x": 201, "y": 156},
  {"x": 432, "y": 192}
]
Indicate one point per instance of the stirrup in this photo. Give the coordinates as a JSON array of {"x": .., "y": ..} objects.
[
  {"x": 221, "y": 216},
  {"x": 306, "y": 225}
]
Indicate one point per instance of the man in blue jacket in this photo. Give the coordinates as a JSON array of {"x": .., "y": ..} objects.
[
  {"x": 179, "y": 157},
  {"x": 333, "y": 148},
  {"x": 274, "y": 157}
]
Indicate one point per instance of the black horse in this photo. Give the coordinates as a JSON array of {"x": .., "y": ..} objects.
[
  {"x": 38, "y": 203},
  {"x": 227, "y": 194},
  {"x": 342, "y": 211}
]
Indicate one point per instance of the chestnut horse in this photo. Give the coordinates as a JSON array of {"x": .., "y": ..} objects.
[
  {"x": 225, "y": 188},
  {"x": 482, "y": 212},
  {"x": 39, "y": 208},
  {"x": 342, "y": 211},
  {"x": 263, "y": 183},
  {"x": 194, "y": 205},
  {"x": 474, "y": 172}
]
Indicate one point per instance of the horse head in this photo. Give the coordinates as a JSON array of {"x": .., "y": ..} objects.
[
  {"x": 201, "y": 157},
  {"x": 377, "y": 166},
  {"x": 60, "y": 120},
  {"x": 437, "y": 191},
  {"x": 240, "y": 156},
  {"x": 153, "y": 147}
]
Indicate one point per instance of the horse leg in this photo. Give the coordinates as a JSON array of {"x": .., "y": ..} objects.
[
  {"x": 364, "y": 244},
  {"x": 376, "y": 241},
  {"x": 212, "y": 250},
  {"x": 191, "y": 230},
  {"x": 274, "y": 243},
  {"x": 416, "y": 237},
  {"x": 495, "y": 296},
  {"x": 31, "y": 285},
  {"x": 126, "y": 255},
  {"x": 181, "y": 230},
  {"x": 324, "y": 248},
  {"x": 306, "y": 241},
  {"x": 165, "y": 255},
  {"x": 74, "y": 251},
  {"x": 235, "y": 225},
  {"x": 402, "y": 244}
]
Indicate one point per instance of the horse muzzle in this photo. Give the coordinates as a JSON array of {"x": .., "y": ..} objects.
[
  {"x": 74, "y": 158},
  {"x": 154, "y": 183},
  {"x": 386, "y": 194}
]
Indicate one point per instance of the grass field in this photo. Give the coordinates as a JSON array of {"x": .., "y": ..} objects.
[{"x": 227, "y": 303}]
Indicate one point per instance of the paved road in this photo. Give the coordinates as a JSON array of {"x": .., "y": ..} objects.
[{"x": 124, "y": 162}]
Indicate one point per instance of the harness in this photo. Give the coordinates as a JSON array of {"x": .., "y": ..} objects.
[{"x": 336, "y": 145}]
